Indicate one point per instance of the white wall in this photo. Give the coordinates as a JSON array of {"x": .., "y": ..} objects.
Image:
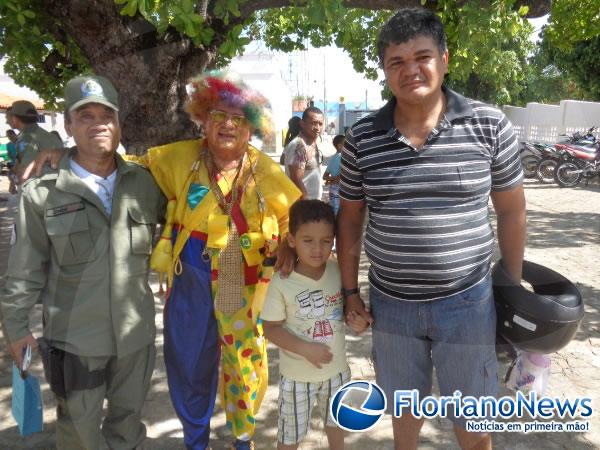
[
  {"x": 579, "y": 116},
  {"x": 518, "y": 117},
  {"x": 545, "y": 123}
]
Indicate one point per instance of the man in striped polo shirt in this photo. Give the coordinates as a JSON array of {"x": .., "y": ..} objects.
[{"x": 424, "y": 166}]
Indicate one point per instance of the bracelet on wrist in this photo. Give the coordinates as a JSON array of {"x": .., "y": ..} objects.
[{"x": 348, "y": 292}]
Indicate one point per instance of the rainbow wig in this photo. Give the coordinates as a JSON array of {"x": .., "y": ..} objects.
[{"x": 213, "y": 87}]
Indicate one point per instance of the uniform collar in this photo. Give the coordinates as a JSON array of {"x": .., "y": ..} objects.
[
  {"x": 122, "y": 166},
  {"x": 69, "y": 182},
  {"x": 29, "y": 128},
  {"x": 457, "y": 107}
]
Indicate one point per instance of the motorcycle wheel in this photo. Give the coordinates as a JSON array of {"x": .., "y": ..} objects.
[
  {"x": 545, "y": 170},
  {"x": 566, "y": 175},
  {"x": 530, "y": 164}
]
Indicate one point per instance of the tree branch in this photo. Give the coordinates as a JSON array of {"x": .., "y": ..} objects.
[
  {"x": 202, "y": 8},
  {"x": 537, "y": 8}
]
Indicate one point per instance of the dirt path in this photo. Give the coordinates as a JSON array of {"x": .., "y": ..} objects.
[{"x": 564, "y": 234}]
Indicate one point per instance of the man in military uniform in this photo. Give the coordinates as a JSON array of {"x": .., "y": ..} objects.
[
  {"x": 32, "y": 137},
  {"x": 82, "y": 244}
]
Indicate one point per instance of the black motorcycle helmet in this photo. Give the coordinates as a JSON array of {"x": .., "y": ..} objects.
[{"x": 542, "y": 321}]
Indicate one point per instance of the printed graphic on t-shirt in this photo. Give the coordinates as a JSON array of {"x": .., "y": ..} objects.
[
  {"x": 305, "y": 156},
  {"x": 311, "y": 305}
]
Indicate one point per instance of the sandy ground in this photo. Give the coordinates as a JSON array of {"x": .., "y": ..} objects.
[{"x": 564, "y": 234}]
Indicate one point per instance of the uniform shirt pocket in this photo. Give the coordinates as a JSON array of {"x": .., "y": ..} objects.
[
  {"x": 141, "y": 230},
  {"x": 71, "y": 238}
]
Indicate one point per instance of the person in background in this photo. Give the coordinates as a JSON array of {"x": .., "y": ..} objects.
[
  {"x": 82, "y": 243},
  {"x": 425, "y": 166},
  {"x": 302, "y": 155},
  {"x": 332, "y": 174},
  {"x": 32, "y": 137},
  {"x": 292, "y": 131},
  {"x": 304, "y": 316},
  {"x": 331, "y": 128}
]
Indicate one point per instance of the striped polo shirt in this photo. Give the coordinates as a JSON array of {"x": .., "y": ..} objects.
[{"x": 428, "y": 234}]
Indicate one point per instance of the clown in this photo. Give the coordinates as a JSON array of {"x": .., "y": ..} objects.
[{"x": 227, "y": 211}]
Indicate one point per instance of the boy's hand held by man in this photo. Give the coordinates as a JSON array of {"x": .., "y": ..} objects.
[{"x": 356, "y": 322}]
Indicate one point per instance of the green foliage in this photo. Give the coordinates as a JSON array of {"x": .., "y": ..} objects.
[
  {"x": 572, "y": 21},
  {"x": 578, "y": 65},
  {"x": 546, "y": 84},
  {"x": 186, "y": 18},
  {"x": 36, "y": 58},
  {"x": 488, "y": 49}
]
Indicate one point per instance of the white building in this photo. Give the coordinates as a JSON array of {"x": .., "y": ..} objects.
[{"x": 260, "y": 71}]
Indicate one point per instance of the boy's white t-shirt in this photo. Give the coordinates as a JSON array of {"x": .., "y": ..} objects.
[{"x": 313, "y": 310}]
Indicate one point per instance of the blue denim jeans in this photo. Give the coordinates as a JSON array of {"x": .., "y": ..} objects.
[
  {"x": 334, "y": 197},
  {"x": 455, "y": 335}
]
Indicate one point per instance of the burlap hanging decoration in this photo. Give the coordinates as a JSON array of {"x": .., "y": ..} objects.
[{"x": 230, "y": 281}]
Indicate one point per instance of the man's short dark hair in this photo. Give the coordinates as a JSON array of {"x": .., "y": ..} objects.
[
  {"x": 410, "y": 23},
  {"x": 338, "y": 140},
  {"x": 11, "y": 133},
  {"x": 306, "y": 211},
  {"x": 311, "y": 109}
]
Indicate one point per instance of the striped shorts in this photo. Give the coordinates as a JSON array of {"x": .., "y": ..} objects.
[{"x": 297, "y": 400}]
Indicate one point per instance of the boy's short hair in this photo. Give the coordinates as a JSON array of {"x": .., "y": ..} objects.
[
  {"x": 408, "y": 24},
  {"x": 339, "y": 138},
  {"x": 306, "y": 211}
]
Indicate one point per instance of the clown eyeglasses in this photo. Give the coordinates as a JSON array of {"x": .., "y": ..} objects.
[{"x": 222, "y": 117}]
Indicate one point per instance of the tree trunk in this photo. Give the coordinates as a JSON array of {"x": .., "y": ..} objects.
[{"x": 149, "y": 72}]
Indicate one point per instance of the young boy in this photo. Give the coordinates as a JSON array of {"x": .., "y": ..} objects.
[
  {"x": 332, "y": 174},
  {"x": 304, "y": 316}
]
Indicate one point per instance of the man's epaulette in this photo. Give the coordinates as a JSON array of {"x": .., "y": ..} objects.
[
  {"x": 133, "y": 162},
  {"x": 137, "y": 165},
  {"x": 51, "y": 174}
]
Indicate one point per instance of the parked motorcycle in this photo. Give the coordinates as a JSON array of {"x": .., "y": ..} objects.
[
  {"x": 579, "y": 138},
  {"x": 563, "y": 151},
  {"x": 544, "y": 171},
  {"x": 531, "y": 155},
  {"x": 578, "y": 165}
]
